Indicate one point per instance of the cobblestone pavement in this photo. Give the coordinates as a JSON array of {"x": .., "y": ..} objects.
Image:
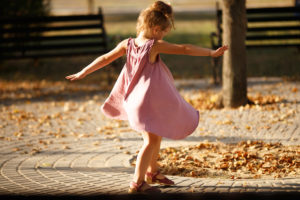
[{"x": 78, "y": 158}]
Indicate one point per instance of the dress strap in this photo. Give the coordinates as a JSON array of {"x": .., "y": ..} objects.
[
  {"x": 151, "y": 42},
  {"x": 128, "y": 43},
  {"x": 129, "y": 46}
]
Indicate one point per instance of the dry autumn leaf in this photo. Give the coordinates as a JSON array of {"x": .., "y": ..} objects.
[
  {"x": 294, "y": 89},
  {"x": 65, "y": 147}
]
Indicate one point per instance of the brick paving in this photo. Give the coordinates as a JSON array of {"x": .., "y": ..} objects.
[{"x": 78, "y": 159}]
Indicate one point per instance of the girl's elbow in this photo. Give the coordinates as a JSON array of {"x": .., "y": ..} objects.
[
  {"x": 185, "y": 50},
  {"x": 181, "y": 49},
  {"x": 104, "y": 59}
]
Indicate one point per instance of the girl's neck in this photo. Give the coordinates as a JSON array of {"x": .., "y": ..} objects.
[{"x": 143, "y": 37}]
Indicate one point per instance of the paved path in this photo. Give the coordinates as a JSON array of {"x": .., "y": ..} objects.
[{"x": 51, "y": 147}]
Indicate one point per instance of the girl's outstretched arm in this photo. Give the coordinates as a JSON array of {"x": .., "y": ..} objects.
[
  {"x": 185, "y": 49},
  {"x": 101, "y": 61}
]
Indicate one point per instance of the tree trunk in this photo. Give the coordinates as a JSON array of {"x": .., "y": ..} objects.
[{"x": 234, "y": 88}]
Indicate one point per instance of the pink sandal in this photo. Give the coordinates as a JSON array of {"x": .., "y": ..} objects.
[
  {"x": 135, "y": 188},
  {"x": 151, "y": 179}
]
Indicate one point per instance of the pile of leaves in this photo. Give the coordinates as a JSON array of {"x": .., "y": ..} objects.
[
  {"x": 244, "y": 160},
  {"x": 203, "y": 100},
  {"x": 208, "y": 100}
]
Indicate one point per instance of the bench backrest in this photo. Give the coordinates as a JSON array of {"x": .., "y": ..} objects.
[
  {"x": 269, "y": 27},
  {"x": 52, "y": 36}
]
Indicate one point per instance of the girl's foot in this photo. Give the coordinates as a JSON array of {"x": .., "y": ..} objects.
[
  {"x": 157, "y": 177},
  {"x": 142, "y": 188}
]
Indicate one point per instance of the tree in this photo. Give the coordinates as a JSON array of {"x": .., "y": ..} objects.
[{"x": 234, "y": 88}]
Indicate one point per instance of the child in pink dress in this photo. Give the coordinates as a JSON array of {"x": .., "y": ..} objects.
[{"x": 145, "y": 94}]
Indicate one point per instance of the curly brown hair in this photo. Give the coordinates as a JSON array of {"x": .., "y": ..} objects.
[{"x": 158, "y": 14}]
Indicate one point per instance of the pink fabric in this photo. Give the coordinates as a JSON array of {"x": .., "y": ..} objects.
[{"x": 145, "y": 95}]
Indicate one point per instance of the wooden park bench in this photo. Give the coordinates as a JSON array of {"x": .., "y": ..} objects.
[
  {"x": 266, "y": 28},
  {"x": 52, "y": 36}
]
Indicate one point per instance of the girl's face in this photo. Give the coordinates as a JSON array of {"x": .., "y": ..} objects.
[{"x": 158, "y": 34}]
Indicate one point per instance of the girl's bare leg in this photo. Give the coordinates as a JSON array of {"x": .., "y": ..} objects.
[
  {"x": 144, "y": 157},
  {"x": 153, "y": 166}
]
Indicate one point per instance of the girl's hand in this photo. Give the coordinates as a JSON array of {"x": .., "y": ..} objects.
[
  {"x": 76, "y": 76},
  {"x": 220, "y": 51}
]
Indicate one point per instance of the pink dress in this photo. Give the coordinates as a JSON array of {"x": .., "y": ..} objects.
[{"x": 145, "y": 95}]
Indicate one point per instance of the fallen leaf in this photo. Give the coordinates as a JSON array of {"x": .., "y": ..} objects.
[{"x": 65, "y": 147}]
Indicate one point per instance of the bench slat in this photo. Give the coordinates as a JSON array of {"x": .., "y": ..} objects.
[
  {"x": 271, "y": 45},
  {"x": 275, "y": 10},
  {"x": 53, "y": 38},
  {"x": 272, "y": 37},
  {"x": 53, "y": 46},
  {"x": 272, "y": 28},
  {"x": 273, "y": 19},
  {"x": 51, "y": 28},
  {"x": 44, "y": 55},
  {"x": 44, "y": 19}
]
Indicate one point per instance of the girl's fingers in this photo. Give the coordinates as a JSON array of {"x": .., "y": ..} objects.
[
  {"x": 224, "y": 48},
  {"x": 220, "y": 51},
  {"x": 71, "y": 77}
]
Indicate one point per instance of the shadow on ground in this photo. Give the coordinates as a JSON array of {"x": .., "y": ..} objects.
[{"x": 177, "y": 196}]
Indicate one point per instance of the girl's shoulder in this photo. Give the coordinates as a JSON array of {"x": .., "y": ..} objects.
[
  {"x": 161, "y": 46},
  {"x": 123, "y": 45},
  {"x": 158, "y": 45},
  {"x": 125, "y": 42}
]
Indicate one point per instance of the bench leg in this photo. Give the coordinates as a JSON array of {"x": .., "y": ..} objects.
[{"x": 216, "y": 71}]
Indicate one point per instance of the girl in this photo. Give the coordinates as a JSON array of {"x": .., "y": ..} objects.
[{"x": 145, "y": 94}]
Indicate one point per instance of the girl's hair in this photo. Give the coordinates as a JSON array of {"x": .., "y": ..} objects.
[{"x": 158, "y": 14}]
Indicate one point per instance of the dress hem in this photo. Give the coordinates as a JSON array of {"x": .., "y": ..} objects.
[{"x": 181, "y": 138}]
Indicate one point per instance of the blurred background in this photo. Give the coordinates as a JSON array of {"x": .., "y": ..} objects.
[{"x": 194, "y": 21}]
